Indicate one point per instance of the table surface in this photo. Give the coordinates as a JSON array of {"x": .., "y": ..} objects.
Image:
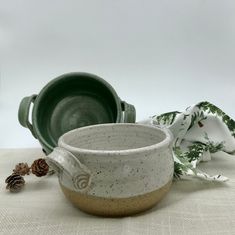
[{"x": 191, "y": 207}]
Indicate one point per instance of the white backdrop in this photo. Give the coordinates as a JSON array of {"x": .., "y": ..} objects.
[{"x": 158, "y": 55}]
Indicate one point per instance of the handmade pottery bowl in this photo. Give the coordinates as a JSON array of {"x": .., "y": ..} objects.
[
  {"x": 71, "y": 101},
  {"x": 114, "y": 169}
]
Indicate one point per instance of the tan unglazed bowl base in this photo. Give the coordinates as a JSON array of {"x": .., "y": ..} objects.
[{"x": 115, "y": 207}]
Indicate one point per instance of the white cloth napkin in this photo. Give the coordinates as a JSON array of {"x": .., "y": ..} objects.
[{"x": 198, "y": 131}]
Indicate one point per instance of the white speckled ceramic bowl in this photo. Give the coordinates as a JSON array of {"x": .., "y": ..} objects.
[{"x": 114, "y": 169}]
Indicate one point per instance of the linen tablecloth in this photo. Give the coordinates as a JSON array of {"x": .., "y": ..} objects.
[{"x": 192, "y": 206}]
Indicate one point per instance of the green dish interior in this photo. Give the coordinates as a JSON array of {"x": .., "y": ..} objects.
[{"x": 73, "y": 102}]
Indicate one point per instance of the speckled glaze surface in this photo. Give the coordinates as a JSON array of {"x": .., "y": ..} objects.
[{"x": 116, "y": 162}]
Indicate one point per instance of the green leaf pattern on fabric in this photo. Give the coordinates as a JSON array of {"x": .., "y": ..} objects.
[
  {"x": 166, "y": 118},
  {"x": 210, "y": 108},
  {"x": 199, "y": 131}
]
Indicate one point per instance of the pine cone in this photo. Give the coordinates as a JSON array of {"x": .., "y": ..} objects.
[
  {"x": 14, "y": 182},
  {"x": 22, "y": 169},
  {"x": 40, "y": 167}
]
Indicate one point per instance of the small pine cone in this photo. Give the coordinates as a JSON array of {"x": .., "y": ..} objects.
[
  {"x": 40, "y": 167},
  {"x": 22, "y": 169},
  {"x": 14, "y": 182}
]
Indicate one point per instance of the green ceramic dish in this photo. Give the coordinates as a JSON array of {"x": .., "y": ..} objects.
[{"x": 71, "y": 101}]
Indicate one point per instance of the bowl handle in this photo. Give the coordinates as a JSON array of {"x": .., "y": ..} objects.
[
  {"x": 23, "y": 112},
  {"x": 70, "y": 169},
  {"x": 129, "y": 112}
]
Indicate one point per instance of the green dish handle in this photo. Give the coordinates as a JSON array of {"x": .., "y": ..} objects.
[
  {"x": 23, "y": 113},
  {"x": 129, "y": 112}
]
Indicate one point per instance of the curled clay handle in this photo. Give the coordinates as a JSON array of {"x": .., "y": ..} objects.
[{"x": 67, "y": 165}]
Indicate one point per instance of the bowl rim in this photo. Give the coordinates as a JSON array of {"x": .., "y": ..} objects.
[
  {"x": 164, "y": 144},
  {"x": 59, "y": 79}
]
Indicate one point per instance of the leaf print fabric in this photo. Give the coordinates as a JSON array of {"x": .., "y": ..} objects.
[{"x": 198, "y": 131}]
